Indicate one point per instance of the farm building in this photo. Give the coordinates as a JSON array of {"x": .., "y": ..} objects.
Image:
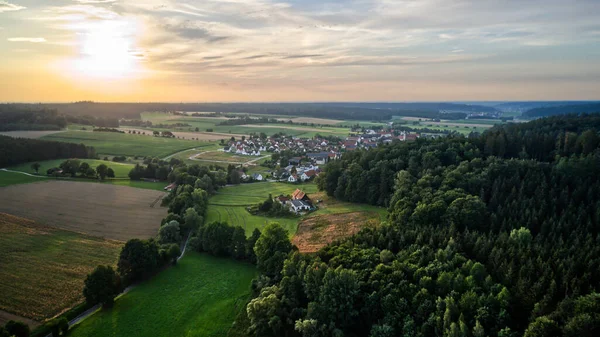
[
  {"x": 319, "y": 158},
  {"x": 299, "y": 206},
  {"x": 300, "y": 195}
]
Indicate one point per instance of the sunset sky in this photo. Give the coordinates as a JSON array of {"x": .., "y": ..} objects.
[{"x": 299, "y": 50}]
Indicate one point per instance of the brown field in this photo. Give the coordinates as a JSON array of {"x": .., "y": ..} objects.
[
  {"x": 28, "y": 134},
  {"x": 42, "y": 269},
  {"x": 107, "y": 211},
  {"x": 323, "y": 121},
  {"x": 316, "y": 232}
]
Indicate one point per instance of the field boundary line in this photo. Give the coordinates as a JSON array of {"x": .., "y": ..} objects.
[{"x": 25, "y": 173}]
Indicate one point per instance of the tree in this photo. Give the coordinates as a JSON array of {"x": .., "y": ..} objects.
[
  {"x": 102, "y": 171},
  {"x": 70, "y": 166},
  {"x": 272, "y": 249},
  {"x": 250, "y": 242},
  {"x": 543, "y": 327},
  {"x": 263, "y": 313},
  {"x": 57, "y": 326},
  {"x": 83, "y": 168},
  {"x": 101, "y": 286},
  {"x": 36, "y": 167},
  {"x": 17, "y": 329},
  {"x": 90, "y": 173},
  {"x": 169, "y": 233},
  {"x": 216, "y": 238},
  {"x": 238, "y": 243},
  {"x": 193, "y": 221},
  {"x": 110, "y": 173},
  {"x": 138, "y": 259}
]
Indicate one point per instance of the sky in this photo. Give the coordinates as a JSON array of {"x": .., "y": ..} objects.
[{"x": 299, "y": 50}]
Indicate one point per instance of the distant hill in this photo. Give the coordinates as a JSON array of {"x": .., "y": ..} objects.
[{"x": 562, "y": 110}]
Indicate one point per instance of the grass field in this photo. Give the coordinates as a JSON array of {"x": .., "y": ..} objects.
[
  {"x": 231, "y": 202},
  {"x": 125, "y": 144},
  {"x": 43, "y": 269},
  {"x": 200, "y": 297},
  {"x": 121, "y": 169},
  {"x": 101, "y": 210},
  {"x": 12, "y": 178}
]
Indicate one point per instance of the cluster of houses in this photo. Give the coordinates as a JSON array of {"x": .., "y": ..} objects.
[
  {"x": 255, "y": 146},
  {"x": 372, "y": 138},
  {"x": 298, "y": 202}
]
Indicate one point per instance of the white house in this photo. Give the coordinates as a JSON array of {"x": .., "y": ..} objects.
[
  {"x": 257, "y": 177},
  {"x": 299, "y": 206},
  {"x": 293, "y": 178}
]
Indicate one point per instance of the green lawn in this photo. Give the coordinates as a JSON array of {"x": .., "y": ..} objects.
[
  {"x": 12, "y": 178},
  {"x": 121, "y": 169},
  {"x": 239, "y": 216},
  {"x": 200, "y": 297},
  {"x": 125, "y": 144}
]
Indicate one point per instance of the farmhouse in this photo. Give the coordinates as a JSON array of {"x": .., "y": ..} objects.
[
  {"x": 308, "y": 175},
  {"x": 300, "y": 195},
  {"x": 299, "y": 206},
  {"x": 282, "y": 199}
]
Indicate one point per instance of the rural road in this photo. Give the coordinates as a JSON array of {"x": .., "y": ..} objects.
[{"x": 27, "y": 174}]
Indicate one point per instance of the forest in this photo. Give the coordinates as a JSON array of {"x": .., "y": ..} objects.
[
  {"x": 562, "y": 110},
  {"x": 491, "y": 235}
]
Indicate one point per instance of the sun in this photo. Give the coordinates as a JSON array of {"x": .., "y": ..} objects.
[{"x": 107, "y": 51}]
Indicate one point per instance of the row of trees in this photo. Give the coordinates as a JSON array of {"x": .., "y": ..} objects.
[
  {"x": 15, "y": 151},
  {"x": 73, "y": 167}
]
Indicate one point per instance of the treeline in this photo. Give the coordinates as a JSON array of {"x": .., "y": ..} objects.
[
  {"x": 476, "y": 244},
  {"x": 15, "y": 151},
  {"x": 367, "y": 176},
  {"x": 13, "y": 117},
  {"x": 562, "y": 110}
]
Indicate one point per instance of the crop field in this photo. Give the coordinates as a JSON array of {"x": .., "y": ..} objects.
[
  {"x": 309, "y": 120},
  {"x": 121, "y": 169},
  {"x": 97, "y": 209},
  {"x": 125, "y": 144},
  {"x": 43, "y": 269},
  {"x": 200, "y": 297}
]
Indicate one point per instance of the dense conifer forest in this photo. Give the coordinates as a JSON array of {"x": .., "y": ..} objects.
[{"x": 490, "y": 235}]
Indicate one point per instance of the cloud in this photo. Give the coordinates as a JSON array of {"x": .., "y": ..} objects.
[
  {"x": 95, "y": 1},
  {"x": 27, "y": 39},
  {"x": 8, "y": 7}
]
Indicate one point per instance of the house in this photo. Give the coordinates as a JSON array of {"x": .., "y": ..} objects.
[
  {"x": 257, "y": 177},
  {"x": 319, "y": 158},
  {"x": 299, "y": 206},
  {"x": 308, "y": 175},
  {"x": 243, "y": 175},
  {"x": 282, "y": 199},
  {"x": 299, "y": 195},
  {"x": 292, "y": 178},
  {"x": 295, "y": 161},
  {"x": 170, "y": 187}
]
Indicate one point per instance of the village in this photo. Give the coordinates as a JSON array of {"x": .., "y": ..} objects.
[{"x": 308, "y": 154}]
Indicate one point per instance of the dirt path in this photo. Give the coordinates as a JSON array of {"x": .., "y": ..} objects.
[{"x": 27, "y": 174}]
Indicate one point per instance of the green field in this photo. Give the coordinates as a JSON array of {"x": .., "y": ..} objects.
[
  {"x": 125, "y": 144},
  {"x": 12, "y": 178},
  {"x": 43, "y": 269},
  {"x": 230, "y": 205},
  {"x": 200, "y": 297},
  {"x": 121, "y": 169}
]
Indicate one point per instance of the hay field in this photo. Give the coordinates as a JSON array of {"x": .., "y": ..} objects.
[
  {"x": 42, "y": 269},
  {"x": 102, "y": 210},
  {"x": 322, "y": 121}
]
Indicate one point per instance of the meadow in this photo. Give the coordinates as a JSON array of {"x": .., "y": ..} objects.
[
  {"x": 13, "y": 178},
  {"x": 102, "y": 210},
  {"x": 43, "y": 268},
  {"x": 112, "y": 143},
  {"x": 121, "y": 169},
  {"x": 230, "y": 204},
  {"x": 199, "y": 297}
]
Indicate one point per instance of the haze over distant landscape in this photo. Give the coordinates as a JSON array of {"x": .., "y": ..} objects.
[{"x": 263, "y": 50}]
